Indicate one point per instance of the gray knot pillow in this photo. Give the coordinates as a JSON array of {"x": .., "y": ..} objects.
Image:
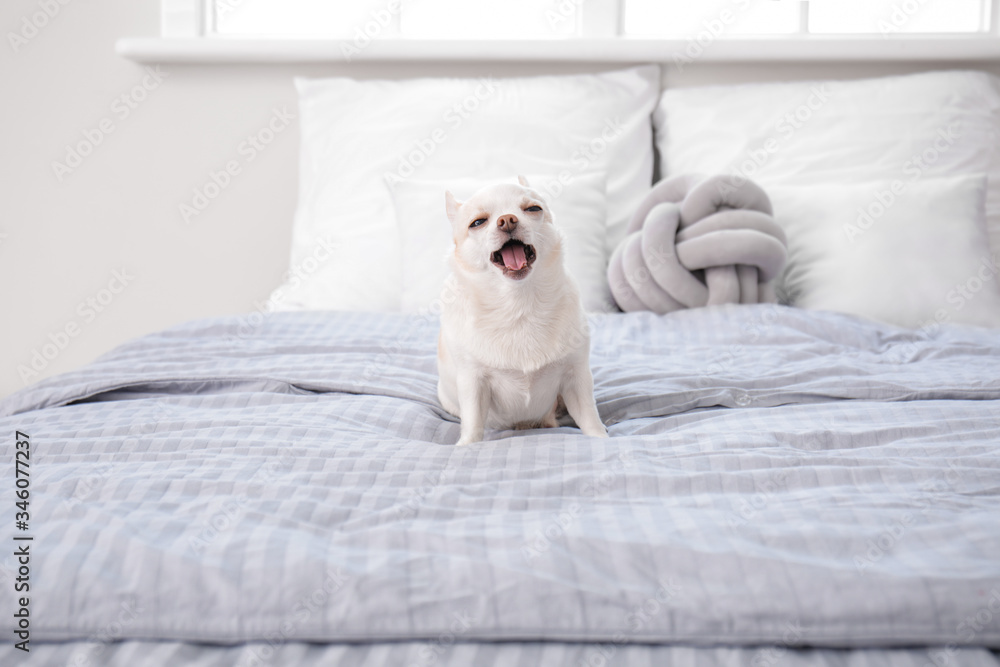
[{"x": 697, "y": 241}]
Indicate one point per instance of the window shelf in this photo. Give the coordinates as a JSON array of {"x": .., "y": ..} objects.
[{"x": 815, "y": 48}]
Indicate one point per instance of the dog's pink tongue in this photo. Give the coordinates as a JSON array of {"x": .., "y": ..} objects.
[{"x": 513, "y": 257}]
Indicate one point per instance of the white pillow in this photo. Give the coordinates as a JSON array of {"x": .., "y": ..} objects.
[
  {"x": 810, "y": 133},
  {"x": 910, "y": 255},
  {"x": 359, "y": 135},
  {"x": 578, "y": 209}
]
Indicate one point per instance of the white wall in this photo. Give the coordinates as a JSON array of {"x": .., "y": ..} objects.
[{"x": 62, "y": 240}]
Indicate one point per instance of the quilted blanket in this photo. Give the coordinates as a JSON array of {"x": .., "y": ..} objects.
[{"x": 774, "y": 478}]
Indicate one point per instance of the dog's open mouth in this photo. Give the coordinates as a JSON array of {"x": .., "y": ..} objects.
[{"x": 514, "y": 258}]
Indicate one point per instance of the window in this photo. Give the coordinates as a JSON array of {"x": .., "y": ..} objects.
[
  {"x": 472, "y": 19},
  {"x": 664, "y": 18},
  {"x": 292, "y": 18},
  {"x": 827, "y": 17},
  {"x": 433, "y": 19},
  {"x": 570, "y": 30},
  {"x": 894, "y": 16},
  {"x": 547, "y": 19}
]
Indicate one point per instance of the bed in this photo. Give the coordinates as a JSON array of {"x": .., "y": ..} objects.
[
  {"x": 810, "y": 485},
  {"x": 781, "y": 486}
]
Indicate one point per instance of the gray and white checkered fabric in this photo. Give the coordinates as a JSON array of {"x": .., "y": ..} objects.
[{"x": 774, "y": 478}]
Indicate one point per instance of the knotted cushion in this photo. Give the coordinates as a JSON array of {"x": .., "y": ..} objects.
[{"x": 697, "y": 241}]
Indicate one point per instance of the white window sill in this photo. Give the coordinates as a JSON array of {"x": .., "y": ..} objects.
[{"x": 613, "y": 49}]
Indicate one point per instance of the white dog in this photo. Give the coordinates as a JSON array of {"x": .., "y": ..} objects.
[{"x": 514, "y": 340}]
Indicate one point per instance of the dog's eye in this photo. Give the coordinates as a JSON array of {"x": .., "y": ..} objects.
[
  {"x": 534, "y": 209},
  {"x": 476, "y": 223}
]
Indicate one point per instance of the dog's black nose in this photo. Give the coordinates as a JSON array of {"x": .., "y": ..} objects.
[{"x": 507, "y": 222}]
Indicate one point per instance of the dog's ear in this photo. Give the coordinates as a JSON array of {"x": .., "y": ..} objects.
[
  {"x": 451, "y": 205},
  {"x": 523, "y": 181}
]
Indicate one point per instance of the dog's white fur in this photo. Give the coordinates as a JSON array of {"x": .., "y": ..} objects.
[{"x": 512, "y": 343}]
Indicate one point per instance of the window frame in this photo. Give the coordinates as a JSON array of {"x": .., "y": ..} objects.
[{"x": 187, "y": 36}]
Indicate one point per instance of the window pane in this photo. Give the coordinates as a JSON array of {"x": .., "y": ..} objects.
[
  {"x": 721, "y": 18},
  {"x": 490, "y": 19},
  {"x": 898, "y": 16},
  {"x": 300, "y": 17}
]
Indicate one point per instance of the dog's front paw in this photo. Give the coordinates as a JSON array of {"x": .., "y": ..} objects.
[
  {"x": 468, "y": 439},
  {"x": 596, "y": 431}
]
